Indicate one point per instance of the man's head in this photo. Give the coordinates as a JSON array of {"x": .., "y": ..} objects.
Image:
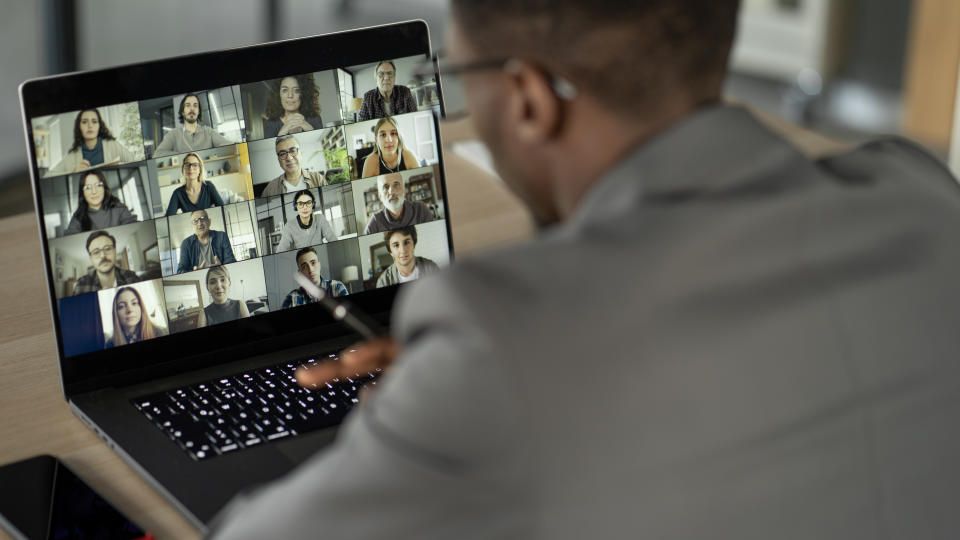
[
  {"x": 288, "y": 153},
  {"x": 309, "y": 264},
  {"x": 303, "y": 204},
  {"x": 392, "y": 191},
  {"x": 102, "y": 249},
  {"x": 190, "y": 111},
  {"x": 201, "y": 222},
  {"x": 571, "y": 69},
  {"x": 401, "y": 243},
  {"x": 386, "y": 74}
]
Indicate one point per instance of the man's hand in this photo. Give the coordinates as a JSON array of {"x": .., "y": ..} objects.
[{"x": 361, "y": 358}]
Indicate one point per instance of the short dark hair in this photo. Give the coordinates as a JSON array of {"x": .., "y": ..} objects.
[
  {"x": 199, "y": 106},
  {"x": 409, "y": 230},
  {"x": 628, "y": 54},
  {"x": 98, "y": 234},
  {"x": 304, "y": 251},
  {"x": 303, "y": 192}
]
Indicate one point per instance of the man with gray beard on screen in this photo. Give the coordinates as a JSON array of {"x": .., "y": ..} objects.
[{"x": 397, "y": 210}]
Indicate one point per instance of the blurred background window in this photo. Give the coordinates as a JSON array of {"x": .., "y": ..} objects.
[{"x": 850, "y": 69}]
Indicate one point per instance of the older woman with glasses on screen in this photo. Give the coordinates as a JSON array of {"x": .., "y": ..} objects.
[
  {"x": 97, "y": 207},
  {"x": 196, "y": 193},
  {"x": 390, "y": 154}
]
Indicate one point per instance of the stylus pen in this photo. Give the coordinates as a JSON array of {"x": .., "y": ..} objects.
[{"x": 359, "y": 321}]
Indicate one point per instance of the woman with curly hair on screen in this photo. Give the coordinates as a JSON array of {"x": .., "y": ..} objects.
[{"x": 293, "y": 106}]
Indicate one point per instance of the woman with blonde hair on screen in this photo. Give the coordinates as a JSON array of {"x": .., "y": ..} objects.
[
  {"x": 389, "y": 154},
  {"x": 131, "y": 321},
  {"x": 196, "y": 193},
  {"x": 221, "y": 308}
]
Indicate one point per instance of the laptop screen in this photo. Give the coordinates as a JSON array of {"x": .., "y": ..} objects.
[{"x": 177, "y": 220}]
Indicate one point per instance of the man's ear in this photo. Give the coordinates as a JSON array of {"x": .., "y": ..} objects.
[{"x": 535, "y": 110}]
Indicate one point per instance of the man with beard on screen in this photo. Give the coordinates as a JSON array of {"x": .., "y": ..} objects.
[
  {"x": 191, "y": 135},
  {"x": 397, "y": 211}
]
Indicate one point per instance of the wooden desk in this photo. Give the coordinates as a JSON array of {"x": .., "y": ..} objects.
[{"x": 35, "y": 419}]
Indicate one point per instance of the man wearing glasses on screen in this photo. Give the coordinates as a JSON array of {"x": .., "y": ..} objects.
[
  {"x": 204, "y": 248},
  {"x": 102, "y": 249},
  {"x": 388, "y": 98},
  {"x": 294, "y": 177}
]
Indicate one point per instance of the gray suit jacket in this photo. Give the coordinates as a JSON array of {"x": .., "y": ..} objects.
[{"x": 766, "y": 348}]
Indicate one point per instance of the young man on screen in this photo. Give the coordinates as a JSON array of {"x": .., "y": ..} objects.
[
  {"x": 191, "y": 135},
  {"x": 309, "y": 264},
  {"x": 407, "y": 266}
]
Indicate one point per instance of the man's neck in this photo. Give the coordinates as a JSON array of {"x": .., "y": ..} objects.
[
  {"x": 395, "y": 215},
  {"x": 205, "y": 238},
  {"x": 190, "y": 126},
  {"x": 387, "y": 95},
  {"x": 406, "y": 271},
  {"x": 109, "y": 279},
  {"x": 582, "y": 159},
  {"x": 294, "y": 177}
]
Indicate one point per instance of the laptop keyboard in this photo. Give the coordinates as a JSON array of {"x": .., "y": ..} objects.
[{"x": 249, "y": 409}]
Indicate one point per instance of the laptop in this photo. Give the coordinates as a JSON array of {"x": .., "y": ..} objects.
[{"x": 177, "y": 200}]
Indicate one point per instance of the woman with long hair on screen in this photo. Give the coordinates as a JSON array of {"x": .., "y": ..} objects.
[
  {"x": 131, "y": 322},
  {"x": 93, "y": 145},
  {"x": 293, "y": 105},
  {"x": 390, "y": 154},
  {"x": 221, "y": 309},
  {"x": 196, "y": 193},
  {"x": 97, "y": 207}
]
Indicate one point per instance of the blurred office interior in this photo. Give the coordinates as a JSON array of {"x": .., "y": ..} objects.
[{"x": 850, "y": 69}]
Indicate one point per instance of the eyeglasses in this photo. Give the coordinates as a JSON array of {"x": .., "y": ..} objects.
[
  {"x": 197, "y": 221},
  {"x": 304, "y": 204},
  {"x": 101, "y": 251},
  {"x": 386, "y": 74},
  {"x": 292, "y": 151},
  {"x": 191, "y": 165},
  {"x": 452, "y": 96},
  {"x": 93, "y": 187}
]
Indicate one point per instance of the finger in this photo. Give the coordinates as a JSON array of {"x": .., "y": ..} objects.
[
  {"x": 313, "y": 376},
  {"x": 216, "y": 260},
  {"x": 369, "y": 355}
]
